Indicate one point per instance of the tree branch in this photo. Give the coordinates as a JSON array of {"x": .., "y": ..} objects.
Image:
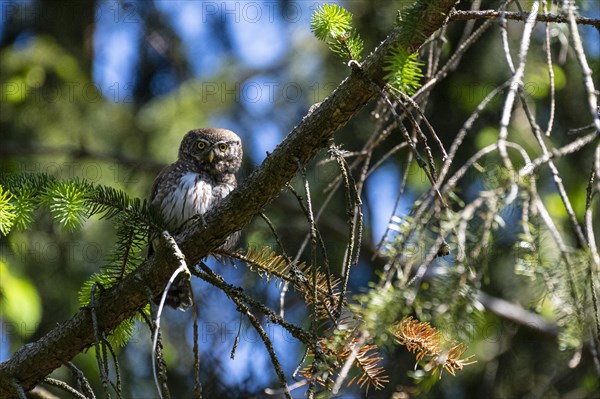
[
  {"x": 458, "y": 15},
  {"x": 517, "y": 314},
  {"x": 33, "y": 362}
]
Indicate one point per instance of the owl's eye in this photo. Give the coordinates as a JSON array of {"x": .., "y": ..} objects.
[
  {"x": 201, "y": 145},
  {"x": 223, "y": 147}
]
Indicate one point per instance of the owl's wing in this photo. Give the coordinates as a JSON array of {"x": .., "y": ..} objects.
[{"x": 157, "y": 196}]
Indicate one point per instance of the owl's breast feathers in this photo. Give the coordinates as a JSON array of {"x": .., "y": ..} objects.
[{"x": 187, "y": 194}]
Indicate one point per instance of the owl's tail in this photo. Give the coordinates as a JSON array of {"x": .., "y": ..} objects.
[{"x": 179, "y": 295}]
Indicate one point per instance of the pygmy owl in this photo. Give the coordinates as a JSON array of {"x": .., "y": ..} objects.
[{"x": 202, "y": 176}]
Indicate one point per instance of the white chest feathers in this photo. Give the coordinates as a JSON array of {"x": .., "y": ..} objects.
[{"x": 193, "y": 196}]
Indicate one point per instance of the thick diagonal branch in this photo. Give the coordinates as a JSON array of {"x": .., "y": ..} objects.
[{"x": 32, "y": 363}]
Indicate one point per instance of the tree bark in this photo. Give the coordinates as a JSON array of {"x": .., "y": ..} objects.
[{"x": 30, "y": 364}]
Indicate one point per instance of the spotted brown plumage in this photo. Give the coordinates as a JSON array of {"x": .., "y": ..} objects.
[{"x": 202, "y": 176}]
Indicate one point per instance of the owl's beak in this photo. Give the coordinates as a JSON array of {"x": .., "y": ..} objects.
[{"x": 211, "y": 156}]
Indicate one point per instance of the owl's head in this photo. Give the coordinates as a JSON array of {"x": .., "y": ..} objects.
[{"x": 214, "y": 151}]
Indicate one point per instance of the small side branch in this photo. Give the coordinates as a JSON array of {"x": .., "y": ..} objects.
[
  {"x": 83, "y": 385},
  {"x": 160, "y": 377},
  {"x": 588, "y": 80},
  {"x": 206, "y": 274},
  {"x": 458, "y": 15},
  {"x": 268, "y": 344},
  {"x": 197, "y": 383},
  {"x": 102, "y": 361},
  {"x": 64, "y": 386},
  {"x": 354, "y": 218}
]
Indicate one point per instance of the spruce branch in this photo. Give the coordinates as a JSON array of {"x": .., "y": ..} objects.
[
  {"x": 67, "y": 204},
  {"x": 7, "y": 211},
  {"x": 333, "y": 24},
  {"x": 32, "y": 363},
  {"x": 404, "y": 70},
  {"x": 330, "y": 21},
  {"x": 268, "y": 265}
]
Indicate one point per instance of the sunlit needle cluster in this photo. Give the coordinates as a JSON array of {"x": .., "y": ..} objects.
[{"x": 426, "y": 341}]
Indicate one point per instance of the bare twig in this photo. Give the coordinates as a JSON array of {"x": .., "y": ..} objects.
[
  {"x": 562, "y": 247},
  {"x": 468, "y": 29},
  {"x": 570, "y": 148},
  {"x": 550, "y": 75},
  {"x": 197, "y": 383},
  {"x": 537, "y": 132},
  {"x": 116, "y": 385},
  {"x": 313, "y": 249},
  {"x": 516, "y": 82},
  {"x": 591, "y": 239},
  {"x": 161, "y": 383},
  {"x": 453, "y": 61},
  {"x": 314, "y": 233},
  {"x": 354, "y": 212},
  {"x": 287, "y": 259},
  {"x": 236, "y": 340},
  {"x": 517, "y": 314},
  {"x": 276, "y": 236},
  {"x": 64, "y": 386},
  {"x": 206, "y": 274},
  {"x": 83, "y": 384},
  {"x": 296, "y": 385},
  {"x": 459, "y": 15},
  {"x": 422, "y": 117},
  {"x": 504, "y": 36},
  {"x": 102, "y": 362},
  {"x": 411, "y": 144},
  {"x": 343, "y": 374},
  {"x": 384, "y": 237},
  {"x": 585, "y": 68},
  {"x": 597, "y": 167},
  {"x": 18, "y": 388},
  {"x": 466, "y": 127},
  {"x": 594, "y": 268},
  {"x": 268, "y": 344}
]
